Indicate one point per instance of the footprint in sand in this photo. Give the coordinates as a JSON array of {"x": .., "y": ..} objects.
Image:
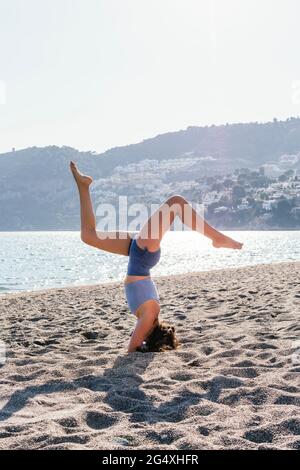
[
  {"x": 259, "y": 436},
  {"x": 97, "y": 420}
]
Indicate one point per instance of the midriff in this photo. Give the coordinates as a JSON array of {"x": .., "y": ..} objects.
[{"x": 129, "y": 278}]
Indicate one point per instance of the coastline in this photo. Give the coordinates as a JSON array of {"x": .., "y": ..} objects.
[
  {"x": 69, "y": 384},
  {"x": 155, "y": 278}
]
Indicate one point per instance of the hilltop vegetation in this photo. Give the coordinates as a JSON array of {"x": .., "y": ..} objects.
[{"x": 37, "y": 192}]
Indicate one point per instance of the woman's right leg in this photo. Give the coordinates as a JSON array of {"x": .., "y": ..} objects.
[
  {"x": 113, "y": 242},
  {"x": 161, "y": 220}
]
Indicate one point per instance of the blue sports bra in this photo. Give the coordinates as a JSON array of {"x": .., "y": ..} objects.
[{"x": 141, "y": 260}]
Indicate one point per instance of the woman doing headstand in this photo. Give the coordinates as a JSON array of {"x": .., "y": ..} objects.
[{"x": 143, "y": 250}]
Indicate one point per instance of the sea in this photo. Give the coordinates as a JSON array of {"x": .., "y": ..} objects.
[{"x": 41, "y": 260}]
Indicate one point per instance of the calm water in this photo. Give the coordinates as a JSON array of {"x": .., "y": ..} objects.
[{"x": 38, "y": 260}]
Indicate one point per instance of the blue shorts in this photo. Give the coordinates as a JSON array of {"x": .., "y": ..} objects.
[{"x": 139, "y": 292}]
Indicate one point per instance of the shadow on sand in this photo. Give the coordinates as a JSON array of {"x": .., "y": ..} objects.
[{"x": 122, "y": 385}]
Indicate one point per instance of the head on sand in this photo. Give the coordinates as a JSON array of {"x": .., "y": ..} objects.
[{"x": 162, "y": 338}]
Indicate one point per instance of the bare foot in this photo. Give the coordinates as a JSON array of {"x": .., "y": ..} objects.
[
  {"x": 227, "y": 242},
  {"x": 79, "y": 177}
]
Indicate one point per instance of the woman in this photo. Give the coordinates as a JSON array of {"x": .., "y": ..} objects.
[{"x": 143, "y": 250}]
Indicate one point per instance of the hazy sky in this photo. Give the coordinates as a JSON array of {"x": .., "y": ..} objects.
[{"x": 95, "y": 74}]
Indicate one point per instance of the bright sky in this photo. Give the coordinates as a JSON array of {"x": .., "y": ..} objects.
[{"x": 95, "y": 74}]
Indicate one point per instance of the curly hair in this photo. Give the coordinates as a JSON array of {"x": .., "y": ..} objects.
[{"x": 162, "y": 338}]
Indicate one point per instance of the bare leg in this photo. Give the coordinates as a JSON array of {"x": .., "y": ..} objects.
[
  {"x": 110, "y": 241},
  {"x": 160, "y": 222},
  {"x": 87, "y": 216}
]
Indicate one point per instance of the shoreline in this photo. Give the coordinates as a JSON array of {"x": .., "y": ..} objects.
[{"x": 156, "y": 278}]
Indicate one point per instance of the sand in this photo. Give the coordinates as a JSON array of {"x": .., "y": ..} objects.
[{"x": 234, "y": 384}]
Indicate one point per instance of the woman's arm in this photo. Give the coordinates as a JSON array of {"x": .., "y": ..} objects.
[{"x": 143, "y": 328}]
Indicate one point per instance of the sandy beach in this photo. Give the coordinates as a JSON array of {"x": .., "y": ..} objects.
[{"x": 234, "y": 384}]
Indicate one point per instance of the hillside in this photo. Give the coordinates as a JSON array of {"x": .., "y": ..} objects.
[{"x": 37, "y": 192}]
